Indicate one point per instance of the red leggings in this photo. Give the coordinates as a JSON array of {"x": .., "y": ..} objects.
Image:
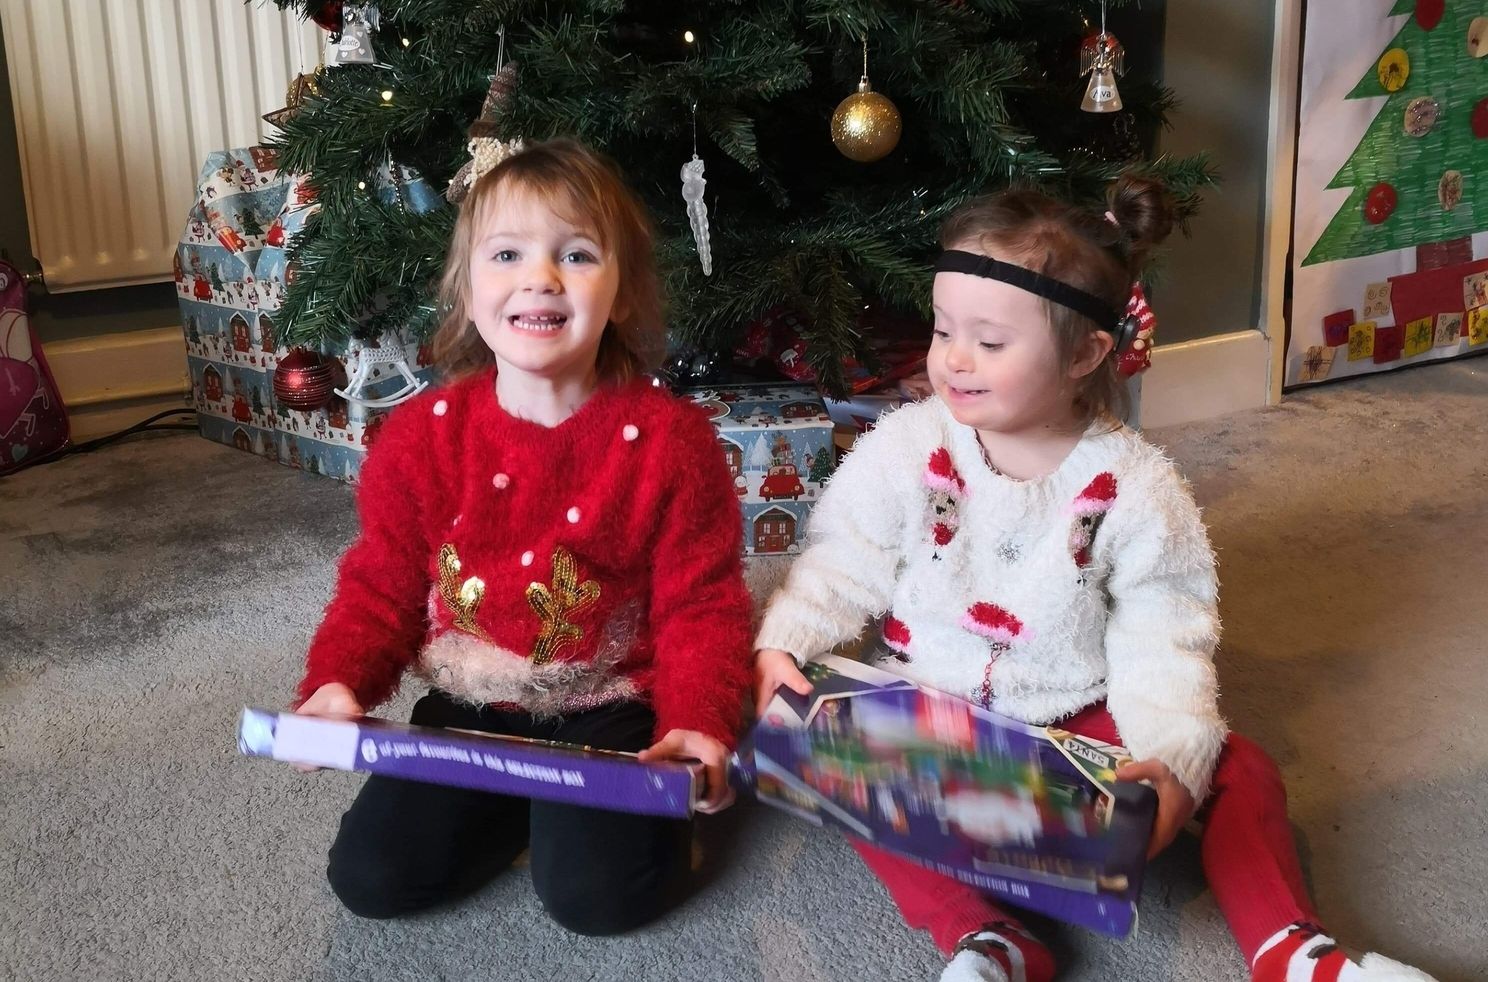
[{"x": 1249, "y": 857}]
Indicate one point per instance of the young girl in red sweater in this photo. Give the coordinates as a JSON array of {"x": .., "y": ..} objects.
[{"x": 552, "y": 543}]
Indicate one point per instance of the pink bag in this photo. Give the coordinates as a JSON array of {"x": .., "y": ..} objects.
[{"x": 33, "y": 421}]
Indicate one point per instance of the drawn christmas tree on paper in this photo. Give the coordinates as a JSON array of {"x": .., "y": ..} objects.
[{"x": 1419, "y": 176}]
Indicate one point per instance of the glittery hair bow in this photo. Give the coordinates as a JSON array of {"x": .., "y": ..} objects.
[
  {"x": 487, "y": 148},
  {"x": 1137, "y": 357}
]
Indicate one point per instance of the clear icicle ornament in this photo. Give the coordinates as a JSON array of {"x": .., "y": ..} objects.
[{"x": 693, "y": 186}]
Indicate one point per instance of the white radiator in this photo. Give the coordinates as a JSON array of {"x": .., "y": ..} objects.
[{"x": 117, "y": 103}]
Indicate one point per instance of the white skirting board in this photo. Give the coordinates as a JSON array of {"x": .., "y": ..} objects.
[
  {"x": 1208, "y": 377},
  {"x": 112, "y": 381}
]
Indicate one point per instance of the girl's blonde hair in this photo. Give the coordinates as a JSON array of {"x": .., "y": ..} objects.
[
  {"x": 1079, "y": 247},
  {"x": 587, "y": 189}
]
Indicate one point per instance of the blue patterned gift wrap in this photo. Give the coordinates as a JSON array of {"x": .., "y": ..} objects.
[
  {"x": 777, "y": 440},
  {"x": 231, "y": 275}
]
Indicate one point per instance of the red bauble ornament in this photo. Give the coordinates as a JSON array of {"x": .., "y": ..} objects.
[
  {"x": 1429, "y": 13},
  {"x": 1379, "y": 203},
  {"x": 328, "y": 16},
  {"x": 1480, "y": 119},
  {"x": 304, "y": 380}
]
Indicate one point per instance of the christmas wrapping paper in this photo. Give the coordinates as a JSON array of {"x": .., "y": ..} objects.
[
  {"x": 231, "y": 274},
  {"x": 860, "y": 413},
  {"x": 466, "y": 759},
  {"x": 777, "y": 440},
  {"x": 1032, "y": 815}
]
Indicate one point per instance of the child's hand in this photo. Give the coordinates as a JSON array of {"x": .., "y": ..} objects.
[
  {"x": 717, "y": 795},
  {"x": 772, "y": 669},
  {"x": 1175, "y": 806},
  {"x": 332, "y": 699}
]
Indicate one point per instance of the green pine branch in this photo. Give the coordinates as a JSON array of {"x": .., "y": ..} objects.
[{"x": 986, "y": 89}]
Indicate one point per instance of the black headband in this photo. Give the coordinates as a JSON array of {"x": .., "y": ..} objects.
[{"x": 955, "y": 261}]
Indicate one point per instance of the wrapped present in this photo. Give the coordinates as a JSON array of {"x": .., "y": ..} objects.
[
  {"x": 860, "y": 412},
  {"x": 231, "y": 274},
  {"x": 778, "y": 443},
  {"x": 915, "y": 387},
  {"x": 898, "y": 345},
  {"x": 897, "y": 359},
  {"x": 490, "y": 762},
  {"x": 1030, "y": 814}
]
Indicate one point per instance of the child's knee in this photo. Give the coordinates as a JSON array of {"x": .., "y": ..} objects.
[
  {"x": 374, "y": 890},
  {"x": 581, "y": 909},
  {"x": 1244, "y": 763}
]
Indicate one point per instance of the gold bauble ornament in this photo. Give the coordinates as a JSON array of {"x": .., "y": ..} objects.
[{"x": 866, "y": 125}]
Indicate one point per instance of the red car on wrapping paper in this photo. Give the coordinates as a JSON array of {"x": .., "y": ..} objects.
[
  {"x": 782, "y": 481},
  {"x": 241, "y": 411}
]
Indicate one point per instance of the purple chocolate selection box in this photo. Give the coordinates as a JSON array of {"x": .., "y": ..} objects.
[
  {"x": 485, "y": 762},
  {"x": 1032, "y": 815}
]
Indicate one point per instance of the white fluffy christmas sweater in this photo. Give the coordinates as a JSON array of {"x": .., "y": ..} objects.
[{"x": 1033, "y": 598}]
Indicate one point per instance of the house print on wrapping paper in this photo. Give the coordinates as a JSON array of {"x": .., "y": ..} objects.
[
  {"x": 774, "y": 531},
  {"x": 733, "y": 455},
  {"x": 777, "y": 442},
  {"x": 231, "y": 275}
]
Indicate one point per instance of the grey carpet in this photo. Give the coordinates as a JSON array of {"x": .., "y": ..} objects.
[{"x": 151, "y": 589}]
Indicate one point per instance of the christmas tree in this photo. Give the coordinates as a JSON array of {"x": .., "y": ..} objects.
[
  {"x": 248, "y": 223},
  {"x": 821, "y": 466},
  {"x": 988, "y": 92},
  {"x": 1413, "y": 174},
  {"x": 759, "y": 455}
]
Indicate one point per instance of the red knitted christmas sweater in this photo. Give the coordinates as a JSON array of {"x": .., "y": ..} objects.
[{"x": 552, "y": 569}]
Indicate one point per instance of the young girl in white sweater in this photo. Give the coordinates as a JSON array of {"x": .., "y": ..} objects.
[{"x": 1031, "y": 554}]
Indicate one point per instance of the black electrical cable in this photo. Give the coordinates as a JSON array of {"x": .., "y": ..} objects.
[{"x": 140, "y": 427}]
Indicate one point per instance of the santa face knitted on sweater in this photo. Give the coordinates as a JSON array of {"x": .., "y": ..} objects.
[{"x": 549, "y": 569}]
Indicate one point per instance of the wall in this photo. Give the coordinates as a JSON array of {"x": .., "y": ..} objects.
[
  {"x": 68, "y": 316},
  {"x": 1217, "y": 58},
  {"x": 117, "y": 354}
]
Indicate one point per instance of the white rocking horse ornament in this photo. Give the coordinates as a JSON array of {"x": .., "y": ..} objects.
[{"x": 372, "y": 356}]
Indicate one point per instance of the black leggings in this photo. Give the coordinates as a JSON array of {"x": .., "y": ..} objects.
[{"x": 405, "y": 845}]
